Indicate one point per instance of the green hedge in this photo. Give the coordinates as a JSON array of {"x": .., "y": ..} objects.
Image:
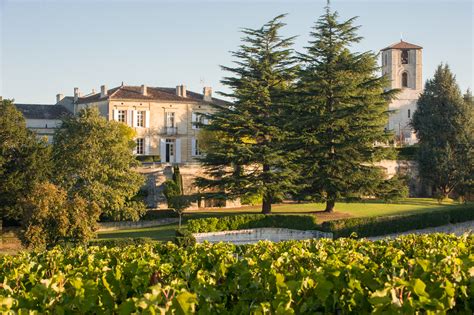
[
  {"x": 159, "y": 214},
  {"x": 248, "y": 221},
  {"x": 382, "y": 225},
  {"x": 148, "y": 158}
]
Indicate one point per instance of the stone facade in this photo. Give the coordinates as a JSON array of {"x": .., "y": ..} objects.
[{"x": 402, "y": 64}]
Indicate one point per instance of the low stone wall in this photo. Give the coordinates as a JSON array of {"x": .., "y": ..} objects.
[
  {"x": 125, "y": 225},
  {"x": 251, "y": 236}
]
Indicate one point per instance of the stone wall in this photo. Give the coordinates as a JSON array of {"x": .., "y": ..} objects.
[{"x": 254, "y": 235}]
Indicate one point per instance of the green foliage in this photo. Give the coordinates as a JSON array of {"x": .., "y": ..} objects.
[
  {"x": 410, "y": 275},
  {"x": 148, "y": 158},
  {"x": 251, "y": 199},
  {"x": 246, "y": 154},
  {"x": 24, "y": 160},
  {"x": 340, "y": 111},
  {"x": 184, "y": 238},
  {"x": 407, "y": 153},
  {"x": 178, "y": 179},
  {"x": 444, "y": 125},
  {"x": 393, "y": 189},
  {"x": 159, "y": 214},
  {"x": 382, "y": 225},
  {"x": 249, "y": 221},
  {"x": 51, "y": 217},
  {"x": 171, "y": 189},
  {"x": 93, "y": 159}
]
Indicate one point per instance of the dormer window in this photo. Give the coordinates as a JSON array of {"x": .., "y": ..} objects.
[
  {"x": 404, "y": 57},
  {"x": 404, "y": 79}
]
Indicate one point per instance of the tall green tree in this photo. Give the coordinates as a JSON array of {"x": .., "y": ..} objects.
[
  {"x": 93, "y": 159},
  {"x": 339, "y": 114},
  {"x": 444, "y": 125},
  {"x": 24, "y": 160},
  {"x": 246, "y": 156}
]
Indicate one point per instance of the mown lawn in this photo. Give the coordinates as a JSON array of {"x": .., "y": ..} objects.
[{"x": 343, "y": 210}]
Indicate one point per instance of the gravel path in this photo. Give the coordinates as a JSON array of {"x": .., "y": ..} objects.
[{"x": 458, "y": 229}]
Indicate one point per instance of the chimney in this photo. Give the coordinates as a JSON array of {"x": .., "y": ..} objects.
[
  {"x": 93, "y": 91},
  {"x": 181, "y": 90},
  {"x": 103, "y": 91},
  {"x": 76, "y": 94},
  {"x": 143, "y": 90},
  {"x": 59, "y": 97},
  {"x": 207, "y": 92}
]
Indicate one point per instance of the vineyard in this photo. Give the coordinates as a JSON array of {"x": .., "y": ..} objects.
[{"x": 431, "y": 273}]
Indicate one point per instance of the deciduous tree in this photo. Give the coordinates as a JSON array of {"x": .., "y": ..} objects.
[
  {"x": 93, "y": 159},
  {"x": 24, "y": 160}
]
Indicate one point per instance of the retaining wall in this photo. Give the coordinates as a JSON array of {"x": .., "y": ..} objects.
[{"x": 254, "y": 235}]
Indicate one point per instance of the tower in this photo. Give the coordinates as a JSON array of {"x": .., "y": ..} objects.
[{"x": 402, "y": 64}]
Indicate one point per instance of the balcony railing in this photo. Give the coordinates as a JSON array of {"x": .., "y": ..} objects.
[{"x": 169, "y": 131}]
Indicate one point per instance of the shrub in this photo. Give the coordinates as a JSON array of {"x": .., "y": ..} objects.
[
  {"x": 184, "y": 238},
  {"x": 248, "y": 221},
  {"x": 148, "y": 158},
  {"x": 159, "y": 214}
]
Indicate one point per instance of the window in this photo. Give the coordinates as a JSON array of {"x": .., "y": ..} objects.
[
  {"x": 404, "y": 79},
  {"x": 169, "y": 119},
  {"x": 404, "y": 57},
  {"x": 385, "y": 59},
  {"x": 122, "y": 115},
  {"x": 198, "y": 118},
  {"x": 140, "y": 118},
  {"x": 195, "y": 147},
  {"x": 409, "y": 113},
  {"x": 140, "y": 146}
]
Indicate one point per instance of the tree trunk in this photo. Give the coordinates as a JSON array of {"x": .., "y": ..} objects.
[
  {"x": 179, "y": 226},
  {"x": 330, "y": 205},
  {"x": 266, "y": 204}
]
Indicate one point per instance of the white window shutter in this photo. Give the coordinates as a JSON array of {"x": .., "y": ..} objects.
[
  {"x": 193, "y": 120},
  {"x": 193, "y": 146},
  {"x": 147, "y": 145},
  {"x": 129, "y": 117},
  {"x": 147, "y": 119},
  {"x": 134, "y": 115},
  {"x": 115, "y": 114},
  {"x": 163, "y": 150},
  {"x": 178, "y": 150}
]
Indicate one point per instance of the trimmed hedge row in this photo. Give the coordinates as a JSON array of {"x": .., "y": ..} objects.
[
  {"x": 122, "y": 242},
  {"x": 363, "y": 227},
  {"x": 249, "y": 221},
  {"x": 377, "y": 226}
]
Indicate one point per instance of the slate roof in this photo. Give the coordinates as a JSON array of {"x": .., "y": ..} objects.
[
  {"x": 41, "y": 111},
  {"x": 153, "y": 93},
  {"x": 402, "y": 45}
]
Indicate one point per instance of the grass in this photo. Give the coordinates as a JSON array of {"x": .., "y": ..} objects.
[{"x": 359, "y": 209}]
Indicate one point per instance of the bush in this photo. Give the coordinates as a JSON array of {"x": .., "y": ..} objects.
[
  {"x": 148, "y": 158},
  {"x": 159, "y": 214},
  {"x": 249, "y": 221},
  {"x": 407, "y": 153},
  {"x": 376, "y": 226},
  {"x": 122, "y": 242},
  {"x": 184, "y": 238}
]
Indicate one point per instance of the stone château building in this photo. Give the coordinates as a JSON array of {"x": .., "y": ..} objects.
[{"x": 402, "y": 64}]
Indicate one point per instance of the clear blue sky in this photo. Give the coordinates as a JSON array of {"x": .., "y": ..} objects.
[{"x": 50, "y": 47}]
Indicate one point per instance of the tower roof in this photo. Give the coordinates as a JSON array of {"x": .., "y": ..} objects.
[{"x": 402, "y": 45}]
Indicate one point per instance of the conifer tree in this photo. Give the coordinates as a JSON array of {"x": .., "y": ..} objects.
[
  {"x": 246, "y": 155},
  {"x": 339, "y": 115},
  {"x": 444, "y": 125}
]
